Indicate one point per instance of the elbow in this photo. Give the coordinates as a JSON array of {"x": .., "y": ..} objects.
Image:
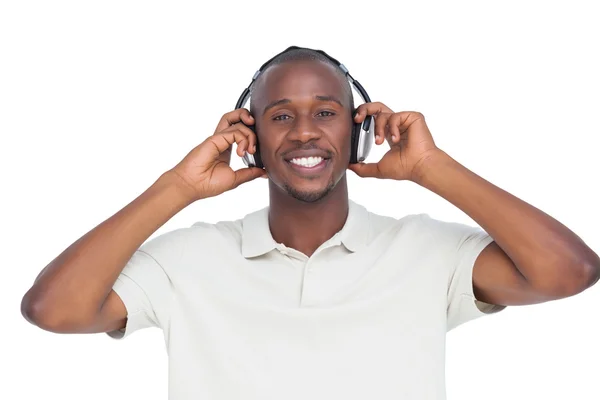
[
  {"x": 591, "y": 272},
  {"x": 50, "y": 317},
  {"x": 35, "y": 312},
  {"x": 580, "y": 277},
  {"x": 565, "y": 278},
  {"x": 586, "y": 270}
]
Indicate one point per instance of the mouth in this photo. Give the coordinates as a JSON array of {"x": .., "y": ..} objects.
[{"x": 308, "y": 165}]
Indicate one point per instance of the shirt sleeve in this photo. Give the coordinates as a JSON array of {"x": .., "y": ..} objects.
[
  {"x": 145, "y": 289},
  {"x": 461, "y": 245}
]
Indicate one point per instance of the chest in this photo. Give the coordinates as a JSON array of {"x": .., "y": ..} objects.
[{"x": 336, "y": 320}]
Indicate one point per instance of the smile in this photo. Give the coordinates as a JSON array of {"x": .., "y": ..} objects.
[{"x": 308, "y": 164}]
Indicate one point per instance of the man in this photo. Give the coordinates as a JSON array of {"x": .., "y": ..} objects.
[{"x": 313, "y": 297}]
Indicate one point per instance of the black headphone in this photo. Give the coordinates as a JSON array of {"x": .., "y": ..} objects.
[{"x": 362, "y": 133}]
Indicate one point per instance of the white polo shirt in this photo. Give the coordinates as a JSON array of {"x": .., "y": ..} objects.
[{"x": 365, "y": 317}]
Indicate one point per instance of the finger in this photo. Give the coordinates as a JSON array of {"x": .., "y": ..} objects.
[
  {"x": 224, "y": 140},
  {"x": 248, "y": 174},
  {"x": 370, "y": 109},
  {"x": 365, "y": 170},
  {"x": 247, "y": 145},
  {"x": 233, "y": 117},
  {"x": 240, "y": 138},
  {"x": 250, "y": 144},
  {"x": 395, "y": 122},
  {"x": 381, "y": 121}
]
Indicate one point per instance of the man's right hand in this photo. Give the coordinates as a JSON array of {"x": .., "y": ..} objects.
[
  {"x": 205, "y": 171},
  {"x": 73, "y": 294}
]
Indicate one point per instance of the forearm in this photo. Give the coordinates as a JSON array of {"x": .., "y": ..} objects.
[
  {"x": 539, "y": 246},
  {"x": 77, "y": 282}
]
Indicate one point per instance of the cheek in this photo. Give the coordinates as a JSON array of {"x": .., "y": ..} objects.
[
  {"x": 265, "y": 140},
  {"x": 269, "y": 142}
]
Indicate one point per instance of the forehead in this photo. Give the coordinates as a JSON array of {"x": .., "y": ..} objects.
[{"x": 299, "y": 79}]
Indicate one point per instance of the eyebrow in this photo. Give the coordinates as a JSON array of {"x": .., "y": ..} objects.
[
  {"x": 276, "y": 103},
  {"x": 329, "y": 98},
  {"x": 287, "y": 101}
]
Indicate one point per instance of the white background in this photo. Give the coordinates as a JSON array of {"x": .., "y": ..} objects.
[{"x": 97, "y": 99}]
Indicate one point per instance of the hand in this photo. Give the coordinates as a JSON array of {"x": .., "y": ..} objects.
[
  {"x": 205, "y": 171},
  {"x": 409, "y": 138}
]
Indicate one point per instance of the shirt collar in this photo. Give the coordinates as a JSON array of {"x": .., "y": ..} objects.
[{"x": 257, "y": 239}]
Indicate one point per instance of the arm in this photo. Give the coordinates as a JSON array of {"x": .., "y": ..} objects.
[
  {"x": 74, "y": 292},
  {"x": 533, "y": 258}
]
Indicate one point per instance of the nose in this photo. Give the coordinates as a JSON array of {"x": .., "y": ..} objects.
[{"x": 304, "y": 129}]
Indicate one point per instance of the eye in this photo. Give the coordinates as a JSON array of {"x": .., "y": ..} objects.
[
  {"x": 327, "y": 113},
  {"x": 281, "y": 117}
]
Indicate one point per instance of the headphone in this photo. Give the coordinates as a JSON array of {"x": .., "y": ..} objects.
[{"x": 362, "y": 133}]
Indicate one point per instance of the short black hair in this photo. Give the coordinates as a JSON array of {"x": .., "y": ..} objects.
[{"x": 306, "y": 54}]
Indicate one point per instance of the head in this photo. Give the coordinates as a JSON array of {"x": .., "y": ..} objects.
[{"x": 303, "y": 108}]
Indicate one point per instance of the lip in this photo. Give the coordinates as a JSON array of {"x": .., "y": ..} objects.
[
  {"x": 309, "y": 170},
  {"x": 305, "y": 154}
]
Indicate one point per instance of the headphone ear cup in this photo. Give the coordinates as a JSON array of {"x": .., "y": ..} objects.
[
  {"x": 368, "y": 138},
  {"x": 257, "y": 158},
  {"x": 362, "y": 140},
  {"x": 354, "y": 140},
  {"x": 253, "y": 160}
]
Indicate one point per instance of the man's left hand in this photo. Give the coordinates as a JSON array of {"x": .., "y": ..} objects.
[{"x": 411, "y": 143}]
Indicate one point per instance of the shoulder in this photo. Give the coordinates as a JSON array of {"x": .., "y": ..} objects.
[
  {"x": 388, "y": 225},
  {"x": 199, "y": 237},
  {"x": 421, "y": 227}
]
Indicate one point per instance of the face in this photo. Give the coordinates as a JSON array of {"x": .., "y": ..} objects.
[{"x": 303, "y": 122}]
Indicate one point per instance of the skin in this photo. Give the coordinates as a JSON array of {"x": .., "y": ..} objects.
[
  {"x": 304, "y": 211},
  {"x": 533, "y": 257}
]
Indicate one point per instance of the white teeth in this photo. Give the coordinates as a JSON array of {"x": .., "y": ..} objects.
[{"x": 307, "y": 161}]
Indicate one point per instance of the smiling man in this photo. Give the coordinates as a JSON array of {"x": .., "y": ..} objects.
[
  {"x": 314, "y": 296},
  {"x": 303, "y": 111}
]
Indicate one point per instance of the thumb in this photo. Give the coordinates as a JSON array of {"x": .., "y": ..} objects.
[
  {"x": 248, "y": 174},
  {"x": 365, "y": 170}
]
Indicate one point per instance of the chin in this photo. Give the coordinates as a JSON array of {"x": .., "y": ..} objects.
[{"x": 308, "y": 195}]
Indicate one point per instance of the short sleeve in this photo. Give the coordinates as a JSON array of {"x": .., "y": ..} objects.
[
  {"x": 461, "y": 245},
  {"x": 145, "y": 289}
]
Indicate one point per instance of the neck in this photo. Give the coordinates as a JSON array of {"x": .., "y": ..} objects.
[{"x": 306, "y": 226}]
